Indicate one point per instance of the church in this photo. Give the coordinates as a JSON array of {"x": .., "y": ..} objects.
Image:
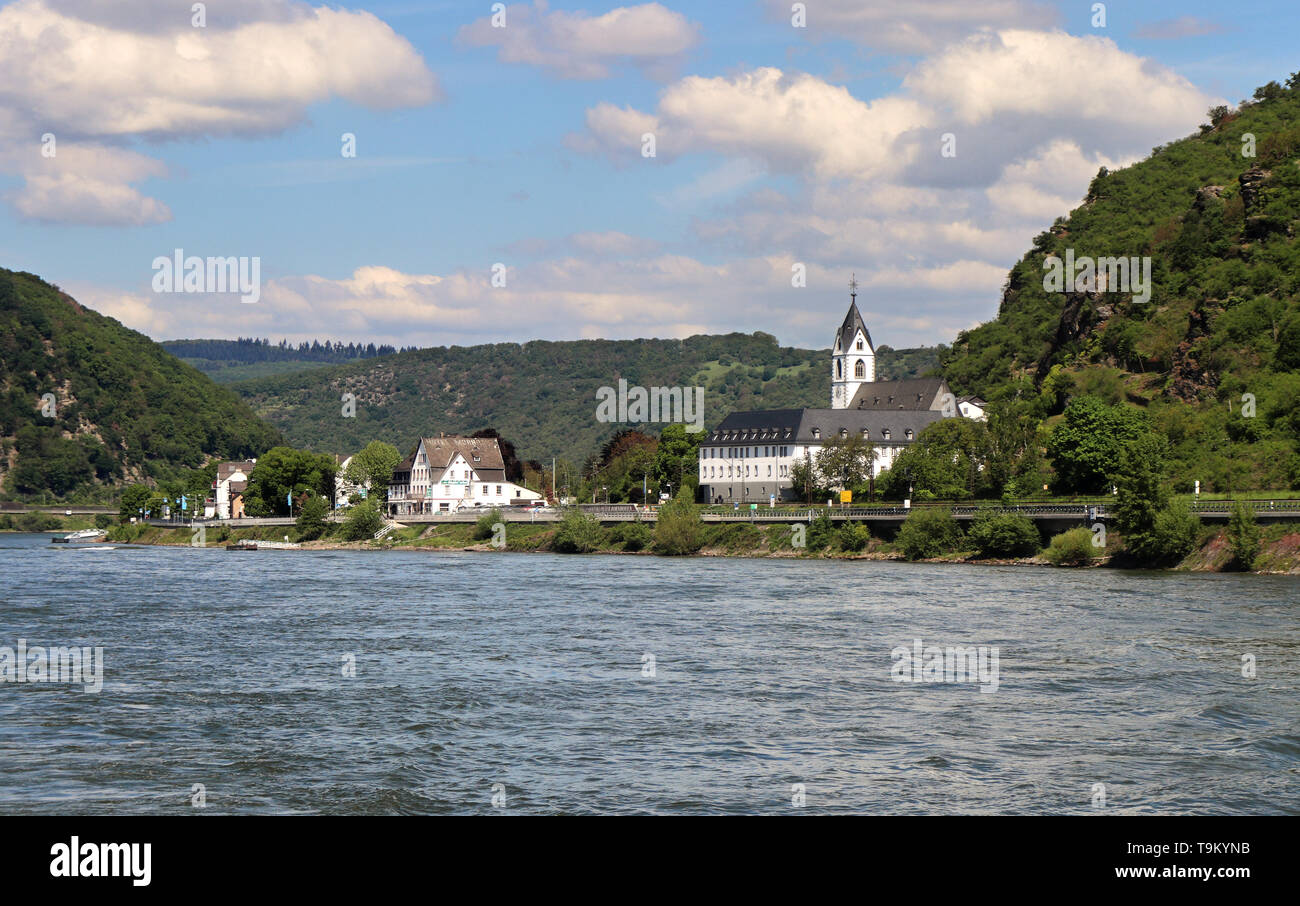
[{"x": 747, "y": 458}]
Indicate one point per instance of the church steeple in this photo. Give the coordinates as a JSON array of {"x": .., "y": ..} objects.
[{"x": 853, "y": 357}]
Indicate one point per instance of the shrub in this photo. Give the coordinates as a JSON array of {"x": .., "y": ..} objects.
[
  {"x": 103, "y": 520},
  {"x": 311, "y": 520},
  {"x": 1072, "y": 548},
  {"x": 928, "y": 532},
  {"x": 483, "y": 528},
  {"x": 821, "y": 531},
  {"x": 854, "y": 536},
  {"x": 1176, "y": 533},
  {"x": 362, "y": 522},
  {"x": 36, "y": 522},
  {"x": 1243, "y": 536},
  {"x": 678, "y": 530},
  {"x": 634, "y": 536},
  {"x": 578, "y": 534},
  {"x": 1004, "y": 535}
]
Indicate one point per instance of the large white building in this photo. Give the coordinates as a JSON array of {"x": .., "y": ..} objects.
[
  {"x": 446, "y": 474},
  {"x": 748, "y": 457}
]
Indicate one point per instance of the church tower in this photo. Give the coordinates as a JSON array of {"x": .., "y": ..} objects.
[{"x": 853, "y": 358}]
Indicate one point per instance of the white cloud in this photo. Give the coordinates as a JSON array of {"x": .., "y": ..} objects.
[
  {"x": 917, "y": 26},
  {"x": 575, "y": 45},
  {"x": 91, "y": 72}
]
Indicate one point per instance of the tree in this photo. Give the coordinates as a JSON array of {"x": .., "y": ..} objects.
[
  {"x": 1004, "y": 535},
  {"x": 803, "y": 479},
  {"x": 1243, "y": 536},
  {"x": 1086, "y": 447},
  {"x": 677, "y": 458},
  {"x": 311, "y": 518},
  {"x": 944, "y": 463},
  {"x": 363, "y": 521},
  {"x": 846, "y": 462},
  {"x": 1141, "y": 493},
  {"x": 578, "y": 534},
  {"x": 134, "y": 499},
  {"x": 928, "y": 532},
  {"x": 678, "y": 530},
  {"x": 372, "y": 468},
  {"x": 282, "y": 471}
]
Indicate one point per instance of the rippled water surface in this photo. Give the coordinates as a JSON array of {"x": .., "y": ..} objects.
[{"x": 526, "y": 670}]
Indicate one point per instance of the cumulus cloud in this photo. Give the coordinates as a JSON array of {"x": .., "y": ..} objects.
[
  {"x": 90, "y": 72},
  {"x": 918, "y": 26},
  {"x": 576, "y": 45}
]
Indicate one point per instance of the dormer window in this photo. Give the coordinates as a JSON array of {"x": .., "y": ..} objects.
[
  {"x": 817, "y": 433},
  {"x": 865, "y": 434},
  {"x": 844, "y": 432},
  {"x": 909, "y": 433},
  {"x": 885, "y": 434}
]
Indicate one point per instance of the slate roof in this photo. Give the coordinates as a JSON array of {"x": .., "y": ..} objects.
[
  {"x": 482, "y": 453},
  {"x": 849, "y": 329},
  {"x": 915, "y": 393},
  {"x": 797, "y": 426},
  {"x": 226, "y": 469}
]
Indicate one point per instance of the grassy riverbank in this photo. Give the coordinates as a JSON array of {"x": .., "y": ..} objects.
[{"x": 1279, "y": 544}]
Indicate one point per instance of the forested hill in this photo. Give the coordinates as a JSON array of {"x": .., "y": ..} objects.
[
  {"x": 1224, "y": 316},
  {"x": 120, "y": 406},
  {"x": 542, "y": 395},
  {"x": 245, "y": 358}
]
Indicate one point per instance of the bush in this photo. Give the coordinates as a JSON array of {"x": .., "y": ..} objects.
[
  {"x": 578, "y": 534},
  {"x": 1004, "y": 535},
  {"x": 483, "y": 528},
  {"x": 1072, "y": 548},
  {"x": 854, "y": 536},
  {"x": 363, "y": 521},
  {"x": 678, "y": 530},
  {"x": 928, "y": 532},
  {"x": 1176, "y": 533},
  {"x": 103, "y": 520},
  {"x": 311, "y": 521},
  {"x": 634, "y": 536},
  {"x": 821, "y": 531},
  {"x": 1243, "y": 536},
  {"x": 36, "y": 522}
]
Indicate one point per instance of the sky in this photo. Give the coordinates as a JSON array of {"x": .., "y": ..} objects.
[{"x": 502, "y": 186}]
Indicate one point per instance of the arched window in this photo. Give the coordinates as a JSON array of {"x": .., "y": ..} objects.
[
  {"x": 817, "y": 433},
  {"x": 859, "y": 342},
  {"x": 839, "y": 369},
  {"x": 860, "y": 370}
]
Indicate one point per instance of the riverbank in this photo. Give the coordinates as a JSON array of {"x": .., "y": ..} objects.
[{"x": 1279, "y": 554}]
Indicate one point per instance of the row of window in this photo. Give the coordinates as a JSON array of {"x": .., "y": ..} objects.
[
  {"x": 708, "y": 472},
  {"x": 859, "y": 370},
  {"x": 741, "y": 452}
]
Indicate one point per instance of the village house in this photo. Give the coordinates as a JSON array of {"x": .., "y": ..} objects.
[
  {"x": 748, "y": 457},
  {"x": 446, "y": 474},
  {"x": 228, "y": 489}
]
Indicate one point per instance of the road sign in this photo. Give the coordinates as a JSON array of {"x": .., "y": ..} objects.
[{"x": 846, "y": 496}]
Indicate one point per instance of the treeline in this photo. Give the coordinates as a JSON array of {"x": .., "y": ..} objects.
[{"x": 249, "y": 350}]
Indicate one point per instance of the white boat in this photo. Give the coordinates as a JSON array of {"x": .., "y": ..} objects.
[{"x": 85, "y": 536}]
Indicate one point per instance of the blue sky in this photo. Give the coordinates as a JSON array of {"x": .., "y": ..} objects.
[{"x": 777, "y": 147}]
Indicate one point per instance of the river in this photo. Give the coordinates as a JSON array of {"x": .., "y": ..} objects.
[{"x": 622, "y": 684}]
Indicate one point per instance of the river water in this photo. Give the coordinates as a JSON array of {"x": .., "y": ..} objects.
[{"x": 528, "y": 677}]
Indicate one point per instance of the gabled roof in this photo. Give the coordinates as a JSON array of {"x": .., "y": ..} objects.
[
  {"x": 226, "y": 469},
  {"x": 849, "y": 329},
  {"x": 483, "y": 455},
  {"x": 915, "y": 393},
  {"x": 802, "y": 426}
]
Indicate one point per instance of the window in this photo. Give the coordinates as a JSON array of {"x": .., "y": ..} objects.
[
  {"x": 865, "y": 434},
  {"x": 839, "y": 369},
  {"x": 885, "y": 434},
  {"x": 909, "y": 433},
  {"x": 498, "y": 490},
  {"x": 860, "y": 370},
  {"x": 844, "y": 432},
  {"x": 769, "y": 471},
  {"x": 484, "y": 490},
  {"x": 859, "y": 342},
  {"x": 817, "y": 433}
]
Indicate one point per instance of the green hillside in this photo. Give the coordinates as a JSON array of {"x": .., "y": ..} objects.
[
  {"x": 542, "y": 395},
  {"x": 122, "y": 407},
  {"x": 1223, "y": 319}
]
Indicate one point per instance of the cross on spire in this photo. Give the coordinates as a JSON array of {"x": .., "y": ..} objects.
[{"x": 853, "y": 287}]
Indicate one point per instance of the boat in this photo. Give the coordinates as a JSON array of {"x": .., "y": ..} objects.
[{"x": 85, "y": 536}]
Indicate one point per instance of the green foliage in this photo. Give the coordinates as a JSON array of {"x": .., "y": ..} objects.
[
  {"x": 928, "y": 532},
  {"x": 36, "y": 522},
  {"x": 634, "y": 536},
  {"x": 1152, "y": 530},
  {"x": 284, "y": 470},
  {"x": 821, "y": 532},
  {"x": 578, "y": 533},
  {"x": 362, "y": 521},
  {"x": 134, "y": 499},
  {"x": 1087, "y": 446},
  {"x": 1176, "y": 534},
  {"x": 854, "y": 536},
  {"x": 678, "y": 530},
  {"x": 944, "y": 463},
  {"x": 1072, "y": 548},
  {"x": 372, "y": 468},
  {"x": 1004, "y": 535},
  {"x": 123, "y": 405},
  {"x": 483, "y": 528},
  {"x": 845, "y": 462},
  {"x": 676, "y": 458},
  {"x": 103, "y": 520},
  {"x": 311, "y": 519},
  {"x": 1243, "y": 536}
]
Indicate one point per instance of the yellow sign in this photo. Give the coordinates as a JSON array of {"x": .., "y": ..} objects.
[{"x": 846, "y": 496}]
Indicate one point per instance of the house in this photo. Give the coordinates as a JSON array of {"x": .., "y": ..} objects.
[
  {"x": 446, "y": 474},
  {"x": 749, "y": 456},
  {"x": 228, "y": 489},
  {"x": 973, "y": 407}
]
